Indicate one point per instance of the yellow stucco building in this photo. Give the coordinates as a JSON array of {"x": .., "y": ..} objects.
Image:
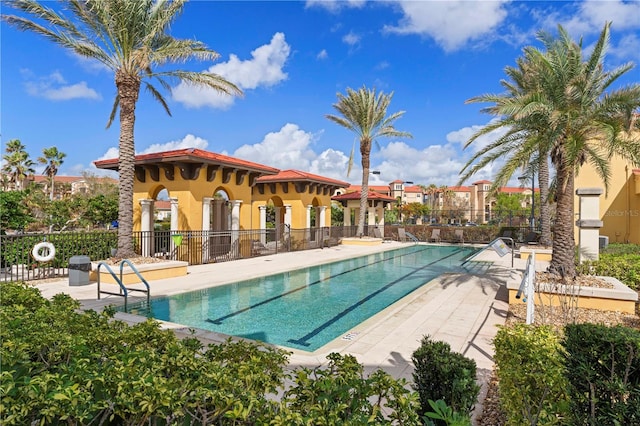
[
  {"x": 214, "y": 192},
  {"x": 620, "y": 207}
]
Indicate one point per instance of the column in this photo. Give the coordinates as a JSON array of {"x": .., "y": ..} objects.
[
  {"x": 287, "y": 215},
  {"x": 307, "y": 227},
  {"x": 322, "y": 210},
  {"x": 206, "y": 213},
  {"x": 174, "y": 223},
  {"x": 146, "y": 226},
  {"x": 589, "y": 223},
  {"x": 346, "y": 216},
  {"x": 380, "y": 212},
  {"x": 263, "y": 223},
  {"x": 235, "y": 225},
  {"x": 371, "y": 216},
  {"x": 206, "y": 227}
]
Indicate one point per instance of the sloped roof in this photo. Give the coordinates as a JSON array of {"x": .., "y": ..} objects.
[
  {"x": 372, "y": 195},
  {"x": 459, "y": 188},
  {"x": 300, "y": 176},
  {"x": 481, "y": 182},
  {"x": 377, "y": 188},
  {"x": 189, "y": 155}
]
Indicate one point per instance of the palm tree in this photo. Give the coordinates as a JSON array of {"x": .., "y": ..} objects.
[
  {"x": 573, "y": 117},
  {"x": 525, "y": 144},
  {"x": 129, "y": 37},
  {"x": 17, "y": 165},
  {"x": 589, "y": 124},
  {"x": 365, "y": 113},
  {"x": 53, "y": 160}
]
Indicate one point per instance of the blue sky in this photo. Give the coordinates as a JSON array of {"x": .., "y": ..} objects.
[{"x": 291, "y": 58}]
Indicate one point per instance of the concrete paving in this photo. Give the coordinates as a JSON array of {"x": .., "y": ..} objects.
[{"x": 463, "y": 309}]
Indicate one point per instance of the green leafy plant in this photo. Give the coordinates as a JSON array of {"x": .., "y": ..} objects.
[
  {"x": 621, "y": 261},
  {"x": 441, "y": 411},
  {"x": 530, "y": 368},
  {"x": 441, "y": 374},
  {"x": 603, "y": 368}
]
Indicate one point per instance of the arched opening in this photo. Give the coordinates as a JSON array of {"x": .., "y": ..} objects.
[{"x": 219, "y": 218}]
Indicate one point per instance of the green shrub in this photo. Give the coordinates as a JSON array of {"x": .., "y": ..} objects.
[
  {"x": 64, "y": 366},
  {"x": 441, "y": 411},
  {"x": 621, "y": 261},
  {"x": 442, "y": 374},
  {"x": 603, "y": 368},
  {"x": 530, "y": 369},
  {"x": 341, "y": 395}
]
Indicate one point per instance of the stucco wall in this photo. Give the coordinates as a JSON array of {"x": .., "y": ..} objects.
[{"x": 620, "y": 207}]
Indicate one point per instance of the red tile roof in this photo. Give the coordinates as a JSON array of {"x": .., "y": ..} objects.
[
  {"x": 459, "y": 188},
  {"x": 191, "y": 155},
  {"x": 377, "y": 188},
  {"x": 297, "y": 176},
  {"x": 372, "y": 195},
  {"x": 481, "y": 181}
]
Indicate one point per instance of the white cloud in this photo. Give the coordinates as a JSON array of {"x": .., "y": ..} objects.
[
  {"x": 453, "y": 23},
  {"x": 351, "y": 39},
  {"x": 335, "y": 5},
  {"x": 264, "y": 69},
  {"x": 623, "y": 15},
  {"x": 288, "y": 148},
  {"x": 189, "y": 141},
  {"x": 322, "y": 54},
  {"x": 54, "y": 87}
]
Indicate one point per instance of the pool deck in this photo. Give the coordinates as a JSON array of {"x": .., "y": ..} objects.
[{"x": 462, "y": 309}]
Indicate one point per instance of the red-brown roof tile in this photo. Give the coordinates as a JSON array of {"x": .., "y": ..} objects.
[
  {"x": 372, "y": 195},
  {"x": 297, "y": 176}
]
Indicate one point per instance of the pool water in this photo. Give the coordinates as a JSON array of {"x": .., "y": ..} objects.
[{"x": 307, "y": 308}]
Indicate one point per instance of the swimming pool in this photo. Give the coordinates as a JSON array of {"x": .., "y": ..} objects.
[{"x": 307, "y": 308}]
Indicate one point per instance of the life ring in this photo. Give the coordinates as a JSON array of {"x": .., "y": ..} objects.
[{"x": 49, "y": 252}]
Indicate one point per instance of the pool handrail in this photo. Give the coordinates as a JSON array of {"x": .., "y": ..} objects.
[
  {"x": 489, "y": 246},
  {"x": 133, "y": 268},
  {"x": 411, "y": 236},
  {"x": 124, "y": 291}
]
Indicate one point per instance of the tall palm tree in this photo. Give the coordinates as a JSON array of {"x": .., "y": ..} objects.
[
  {"x": 17, "y": 165},
  {"x": 364, "y": 112},
  {"x": 53, "y": 160},
  {"x": 588, "y": 123},
  {"x": 574, "y": 118},
  {"x": 524, "y": 145},
  {"x": 131, "y": 38}
]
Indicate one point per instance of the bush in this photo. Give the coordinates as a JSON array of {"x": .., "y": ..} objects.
[
  {"x": 64, "y": 366},
  {"x": 441, "y": 374},
  {"x": 621, "y": 261},
  {"x": 341, "y": 395},
  {"x": 603, "y": 368},
  {"x": 530, "y": 369}
]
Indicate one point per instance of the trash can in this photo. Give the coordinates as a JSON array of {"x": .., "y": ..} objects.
[{"x": 79, "y": 267}]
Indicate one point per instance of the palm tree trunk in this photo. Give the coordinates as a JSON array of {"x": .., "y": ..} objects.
[
  {"x": 128, "y": 90},
  {"x": 364, "y": 194},
  {"x": 563, "y": 257},
  {"x": 545, "y": 212}
]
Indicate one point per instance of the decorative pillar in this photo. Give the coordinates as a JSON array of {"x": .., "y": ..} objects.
[
  {"x": 206, "y": 213},
  {"x": 589, "y": 223},
  {"x": 287, "y": 215},
  {"x": 235, "y": 223},
  {"x": 371, "y": 216},
  {"x": 346, "y": 216},
  {"x": 174, "y": 223},
  {"x": 307, "y": 227},
  {"x": 380, "y": 212},
  {"x": 321, "y": 215},
  {"x": 146, "y": 226},
  {"x": 206, "y": 227},
  {"x": 263, "y": 224}
]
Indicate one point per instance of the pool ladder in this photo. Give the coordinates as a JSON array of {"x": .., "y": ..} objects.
[{"x": 124, "y": 291}]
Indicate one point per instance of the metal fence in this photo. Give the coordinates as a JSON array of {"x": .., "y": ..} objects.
[{"x": 199, "y": 247}]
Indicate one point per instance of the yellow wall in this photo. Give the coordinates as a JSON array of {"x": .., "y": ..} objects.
[
  {"x": 190, "y": 194},
  {"x": 297, "y": 200},
  {"x": 620, "y": 208}
]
